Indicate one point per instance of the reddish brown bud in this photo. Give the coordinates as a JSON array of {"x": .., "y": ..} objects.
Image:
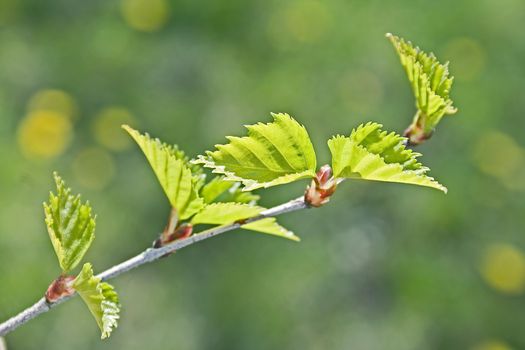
[
  {"x": 181, "y": 232},
  {"x": 416, "y": 135},
  {"x": 59, "y": 288},
  {"x": 324, "y": 174},
  {"x": 322, "y": 187}
]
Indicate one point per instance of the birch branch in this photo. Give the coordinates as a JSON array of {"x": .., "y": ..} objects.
[{"x": 148, "y": 256}]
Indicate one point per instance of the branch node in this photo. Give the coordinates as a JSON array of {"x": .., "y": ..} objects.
[
  {"x": 322, "y": 187},
  {"x": 183, "y": 231},
  {"x": 60, "y": 287},
  {"x": 415, "y": 133}
]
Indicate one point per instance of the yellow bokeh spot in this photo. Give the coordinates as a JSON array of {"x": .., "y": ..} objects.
[
  {"x": 9, "y": 10},
  {"x": 492, "y": 345},
  {"x": 503, "y": 268},
  {"x": 53, "y": 100},
  {"x": 94, "y": 168},
  {"x": 44, "y": 134},
  {"x": 145, "y": 15},
  {"x": 107, "y": 128},
  {"x": 468, "y": 58},
  {"x": 500, "y": 156},
  {"x": 301, "y": 21}
]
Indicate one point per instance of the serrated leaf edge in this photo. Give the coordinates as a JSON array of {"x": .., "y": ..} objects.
[
  {"x": 104, "y": 295},
  {"x": 250, "y": 185}
]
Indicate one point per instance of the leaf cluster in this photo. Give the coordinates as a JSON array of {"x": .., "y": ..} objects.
[
  {"x": 431, "y": 83},
  {"x": 71, "y": 227},
  {"x": 270, "y": 154}
]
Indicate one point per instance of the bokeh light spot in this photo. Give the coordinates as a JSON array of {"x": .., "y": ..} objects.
[
  {"x": 468, "y": 58},
  {"x": 492, "y": 345},
  {"x": 500, "y": 156},
  {"x": 145, "y": 15},
  {"x": 8, "y": 13},
  {"x": 503, "y": 268},
  {"x": 94, "y": 168},
  {"x": 44, "y": 134},
  {"x": 301, "y": 21},
  {"x": 53, "y": 100},
  {"x": 107, "y": 128}
]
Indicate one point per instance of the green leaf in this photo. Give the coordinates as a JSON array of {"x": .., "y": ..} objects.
[
  {"x": 70, "y": 225},
  {"x": 225, "y": 213},
  {"x": 430, "y": 82},
  {"x": 372, "y": 154},
  {"x": 238, "y": 195},
  {"x": 173, "y": 171},
  {"x": 229, "y": 213},
  {"x": 221, "y": 190},
  {"x": 270, "y": 226},
  {"x": 272, "y": 154},
  {"x": 100, "y": 298}
]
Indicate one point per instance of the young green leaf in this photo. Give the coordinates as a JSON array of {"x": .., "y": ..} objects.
[
  {"x": 70, "y": 225},
  {"x": 372, "y": 154},
  {"x": 431, "y": 85},
  {"x": 225, "y": 213},
  {"x": 270, "y": 226},
  {"x": 173, "y": 171},
  {"x": 228, "y": 213},
  {"x": 272, "y": 154},
  {"x": 100, "y": 298},
  {"x": 221, "y": 190}
]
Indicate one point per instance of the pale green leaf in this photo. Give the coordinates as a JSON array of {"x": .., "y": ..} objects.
[
  {"x": 272, "y": 154},
  {"x": 270, "y": 226},
  {"x": 100, "y": 298},
  {"x": 238, "y": 195},
  {"x": 225, "y": 213},
  {"x": 430, "y": 82},
  {"x": 229, "y": 213},
  {"x": 70, "y": 225},
  {"x": 372, "y": 154},
  {"x": 221, "y": 190},
  {"x": 173, "y": 171}
]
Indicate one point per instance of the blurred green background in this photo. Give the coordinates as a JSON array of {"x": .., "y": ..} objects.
[{"x": 384, "y": 266}]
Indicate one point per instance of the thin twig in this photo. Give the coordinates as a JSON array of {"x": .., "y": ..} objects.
[{"x": 147, "y": 256}]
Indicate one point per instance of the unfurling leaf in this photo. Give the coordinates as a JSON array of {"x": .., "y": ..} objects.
[
  {"x": 100, "y": 298},
  {"x": 272, "y": 154},
  {"x": 70, "y": 225},
  {"x": 228, "y": 213},
  {"x": 431, "y": 85},
  {"x": 372, "y": 154},
  {"x": 221, "y": 190},
  {"x": 174, "y": 173}
]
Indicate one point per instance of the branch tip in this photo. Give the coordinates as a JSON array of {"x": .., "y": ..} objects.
[{"x": 321, "y": 188}]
